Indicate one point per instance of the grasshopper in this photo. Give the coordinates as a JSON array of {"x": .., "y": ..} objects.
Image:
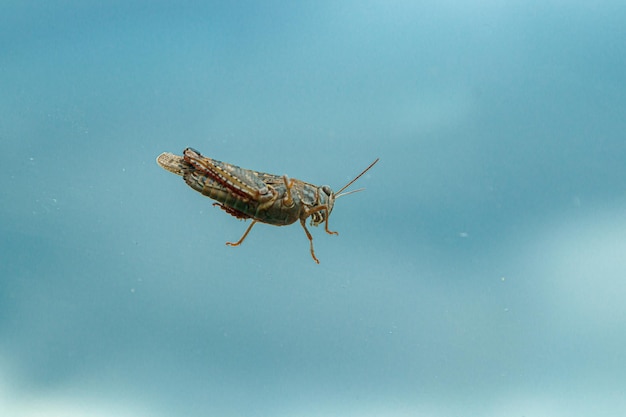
[{"x": 246, "y": 194}]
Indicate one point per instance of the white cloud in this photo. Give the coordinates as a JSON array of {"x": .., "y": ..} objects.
[
  {"x": 68, "y": 401},
  {"x": 583, "y": 262}
]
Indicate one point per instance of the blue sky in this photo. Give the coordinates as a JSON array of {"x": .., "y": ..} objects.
[{"x": 481, "y": 273}]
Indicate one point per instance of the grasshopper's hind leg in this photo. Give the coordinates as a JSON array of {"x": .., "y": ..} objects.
[
  {"x": 240, "y": 241},
  {"x": 288, "y": 199},
  {"x": 308, "y": 235}
]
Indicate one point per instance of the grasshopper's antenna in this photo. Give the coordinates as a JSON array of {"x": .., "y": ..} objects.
[
  {"x": 338, "y": 193},
  {"x": 349, "y": 192}
]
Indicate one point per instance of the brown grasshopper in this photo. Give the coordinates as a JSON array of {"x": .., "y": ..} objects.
[{"x": 265, "y": 198}]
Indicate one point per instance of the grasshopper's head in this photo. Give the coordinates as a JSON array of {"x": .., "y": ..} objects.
[{"x": 325, "y": 199}]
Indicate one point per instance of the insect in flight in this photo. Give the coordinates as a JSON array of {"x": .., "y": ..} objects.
[{"x": 246, "y": 194}]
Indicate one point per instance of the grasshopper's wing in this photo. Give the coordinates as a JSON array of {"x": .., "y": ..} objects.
[
  {"x": 217, "y": 179},
  {"x": 173, "y": 163},
  {"x": 269, "y": 179},
  {"x": 238, "y": 181}
]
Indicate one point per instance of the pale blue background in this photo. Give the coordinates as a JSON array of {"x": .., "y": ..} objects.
[{"x": 482, "y": 273}]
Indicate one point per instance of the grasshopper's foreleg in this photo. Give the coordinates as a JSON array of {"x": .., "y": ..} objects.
[
  {"x": 323, "y": 208},
  {"x": 330, "y": 232},
  {"x": 237, "y": 243},
  {"x": 308, "y": 235}
]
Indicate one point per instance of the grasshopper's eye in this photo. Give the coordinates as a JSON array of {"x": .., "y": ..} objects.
[{"x": 327, "y": 190}]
